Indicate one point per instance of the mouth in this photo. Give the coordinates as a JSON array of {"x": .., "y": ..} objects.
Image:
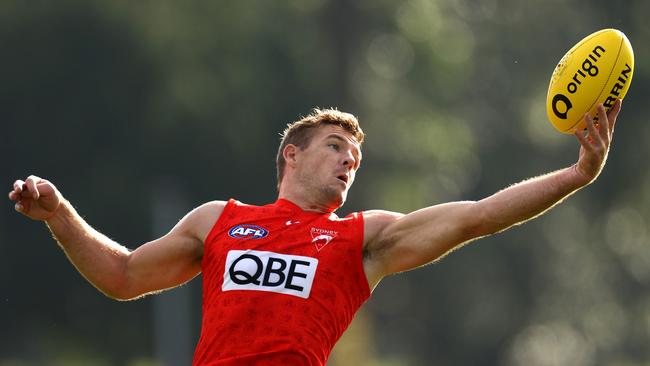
[{"x": 344, "y": 178}]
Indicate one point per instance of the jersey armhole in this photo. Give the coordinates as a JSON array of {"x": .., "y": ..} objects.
[
  {"x": 217, "y": 224},
  {"x": 365, "y": 286}
]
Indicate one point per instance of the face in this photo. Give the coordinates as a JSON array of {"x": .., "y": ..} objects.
[{"x": 327, "y": 167}]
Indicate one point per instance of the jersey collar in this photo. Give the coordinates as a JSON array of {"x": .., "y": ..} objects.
[{"x": 295, "y": 209}]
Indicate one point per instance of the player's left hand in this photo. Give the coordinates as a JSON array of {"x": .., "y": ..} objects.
[{"x": 596, "y": 142}]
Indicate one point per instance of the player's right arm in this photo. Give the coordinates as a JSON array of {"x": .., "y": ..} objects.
[{"x": 113, "y": 269}]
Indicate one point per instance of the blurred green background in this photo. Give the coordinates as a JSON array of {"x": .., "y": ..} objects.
[{"x": 140, "y": 110}]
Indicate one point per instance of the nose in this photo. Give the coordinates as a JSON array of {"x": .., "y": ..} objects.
[{"x": 348, "y": 160}]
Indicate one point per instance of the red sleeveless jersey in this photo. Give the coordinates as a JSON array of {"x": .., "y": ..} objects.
[{"x": 280, "y": 285}]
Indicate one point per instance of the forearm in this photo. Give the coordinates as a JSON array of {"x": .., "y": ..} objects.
[
  {"x": 99, "y": 259},
  {"x": 528, "y": 199}
]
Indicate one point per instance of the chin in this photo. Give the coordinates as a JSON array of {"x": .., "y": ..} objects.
[{"x": 341, "y": 199}]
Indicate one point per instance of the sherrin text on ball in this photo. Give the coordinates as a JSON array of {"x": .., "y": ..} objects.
[{"x": 598, "y": 69}]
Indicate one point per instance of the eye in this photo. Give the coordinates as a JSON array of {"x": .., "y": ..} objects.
[{"x": 334, "y": 146}]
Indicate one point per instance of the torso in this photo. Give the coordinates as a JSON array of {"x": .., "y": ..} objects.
[{"x": 279, "y": 282}]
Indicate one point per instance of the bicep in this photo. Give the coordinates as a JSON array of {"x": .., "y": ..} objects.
[
  {"x": 404, "y": 242},
  {"x": 174, "y": 258},
  {"x": 163, "y": 263}
]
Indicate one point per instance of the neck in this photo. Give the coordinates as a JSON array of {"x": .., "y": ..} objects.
[{"x": 305, "y": 200}]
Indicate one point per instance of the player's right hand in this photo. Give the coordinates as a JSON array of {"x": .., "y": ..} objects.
[{"x": 35, "y": 198}]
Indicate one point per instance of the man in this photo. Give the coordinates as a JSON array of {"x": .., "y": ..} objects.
[{"x": 283, "y": 281}]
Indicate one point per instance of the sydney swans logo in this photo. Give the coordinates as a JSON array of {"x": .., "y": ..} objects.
[{"x": 322, "y": 237}]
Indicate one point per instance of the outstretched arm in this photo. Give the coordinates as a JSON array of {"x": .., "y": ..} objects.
[
  {"x": 397, "y": 242},
  {"x": 116, "y": 271}
]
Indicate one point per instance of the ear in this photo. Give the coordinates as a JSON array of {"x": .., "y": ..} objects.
[{"x": 290, "y": 154}]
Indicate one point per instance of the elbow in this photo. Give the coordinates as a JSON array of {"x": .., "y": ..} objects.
[
  {"x": 117, "y": 293},
  {"x": 117, "y": 296},
  {"x": 123, "y": 285},
  {"x": 119, "y": 287},
  {"x": 125, "y": 298},
  {"x": 482, "y": 222},
  {"x": 121, "y": 294}
]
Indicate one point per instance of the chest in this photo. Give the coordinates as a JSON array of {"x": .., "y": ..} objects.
[{"x": 286, "y": 254}]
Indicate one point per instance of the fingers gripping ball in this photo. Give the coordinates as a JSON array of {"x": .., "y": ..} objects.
[{"x": 596, "y": 70}]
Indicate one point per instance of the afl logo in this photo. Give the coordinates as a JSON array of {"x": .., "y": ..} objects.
[{"x": 247, "y": 231}]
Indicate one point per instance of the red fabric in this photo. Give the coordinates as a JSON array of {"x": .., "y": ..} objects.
[{"x": 258, "y": 325}]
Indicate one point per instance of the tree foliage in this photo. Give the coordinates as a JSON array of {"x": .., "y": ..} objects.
[{"x": 108, "y": 99}]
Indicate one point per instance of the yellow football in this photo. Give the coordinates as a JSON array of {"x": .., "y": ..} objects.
[{"x": 598, "y": 69}]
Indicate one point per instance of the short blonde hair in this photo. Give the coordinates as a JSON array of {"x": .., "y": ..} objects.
[{"x": 300, "y": 132}]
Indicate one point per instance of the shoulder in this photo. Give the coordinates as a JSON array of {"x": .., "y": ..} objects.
[
  {"x": 376, "y": 236},
  {"x": 201, "y": 219},
  {"x": 208, "y": 209},
  {"x": 375, "y": 224}
]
